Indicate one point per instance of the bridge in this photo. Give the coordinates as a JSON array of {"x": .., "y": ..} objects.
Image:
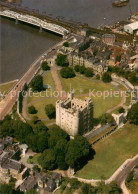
[{"x": 35, "y": 21}]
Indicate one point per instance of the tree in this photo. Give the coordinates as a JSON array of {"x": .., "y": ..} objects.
[
  {"x": 89, "y": 72},
  {"x": 45, "y": 66},
  {"x": 106, "y": 77},
  {"x": 106, "y": 118},
  {"x": 77, "y": 68},
  {"x": 6, "y": 189},
  {"x": 48, "y": 160},
  {"x": 50, "y": 111},
  {"x": 60, "y": 150},
  {"x": 78, "y": 152},
  {"x": 86, "y": 188},
  {"x": 42, "y": 142},
  {"x": 82, "y": 69},
  {"x": 32, "y": 110},
  {"x": 36, "y": 168},
  {"x": 121, "y": 110},
  {"x": 98, "y": 76},
  {"x": 37, "y": 83},
  {"x": 61, "y": 60},
  {"x": 106, "y": 189},
  {"x": 35, "y": 119},
  {"x": 67, "y": 72},
  {"x": 39, "y": 127},
  {"x": 129, "y": 178},
  {"x": 133, "y": 114},
  {"x": 66, "y": 44}
]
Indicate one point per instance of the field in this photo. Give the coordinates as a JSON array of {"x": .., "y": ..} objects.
[
  {"x": 111, "y": 152},
  {"x": 5, "y": 88},
  {"x": 82, "y": 86},
  {"x": 40, "y": 106}
]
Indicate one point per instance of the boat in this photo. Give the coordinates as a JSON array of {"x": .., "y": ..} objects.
[{"x": 120, "y": 3}]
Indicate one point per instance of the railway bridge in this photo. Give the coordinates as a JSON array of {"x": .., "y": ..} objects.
[{"x": 35, "y": 21}]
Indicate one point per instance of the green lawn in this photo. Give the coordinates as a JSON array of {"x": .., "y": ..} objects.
[
  {"x": 34, "y": 159},
  {"x": 5, "y": 88},
  {"x": 47, "y": 79},
  {"x": 40, "y": 107},
  {"x": 111, "y": 152}
]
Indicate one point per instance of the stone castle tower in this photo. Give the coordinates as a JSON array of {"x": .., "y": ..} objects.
[{"x": 74, "y": 116}]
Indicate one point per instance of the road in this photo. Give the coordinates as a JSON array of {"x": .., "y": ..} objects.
[
  {"x": 121, "y": 177},
  {"x": 7, "y": 103}
]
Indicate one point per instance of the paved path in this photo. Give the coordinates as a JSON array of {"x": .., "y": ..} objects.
[{"x": 121, "y": 104}]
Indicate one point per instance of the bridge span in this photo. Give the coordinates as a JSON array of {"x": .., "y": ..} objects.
[{"x": 35, "y": 21}]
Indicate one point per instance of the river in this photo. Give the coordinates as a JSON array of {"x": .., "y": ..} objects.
[{"x": 21, "y": 44}]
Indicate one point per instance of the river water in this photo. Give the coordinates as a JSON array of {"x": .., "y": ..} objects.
[{"x": 22, "y": 44}]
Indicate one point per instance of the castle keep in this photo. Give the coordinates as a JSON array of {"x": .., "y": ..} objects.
[{"x": 74, "y": 115}]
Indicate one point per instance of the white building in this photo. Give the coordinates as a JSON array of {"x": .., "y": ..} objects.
[
  {"x": 131, "y": 28},
  {"x": 74, "y": 116}
]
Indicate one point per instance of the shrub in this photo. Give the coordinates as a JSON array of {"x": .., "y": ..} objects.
[
  {"x": 50, "y": 111},
  {"x": 66, "y": 44},
  {"x": 77, "y": 68},
  {"x": 121, "y": 110},
  {"x": 98, "y": 76},
  {"x": 106, "y": 77},
  {"x": 82, "y": 69},
  {"x": 67, "y": 72},
  {"x": 89, "y": 72},
  {"x": 45, "y": 66},
  {"x": 32, "y": 110}
]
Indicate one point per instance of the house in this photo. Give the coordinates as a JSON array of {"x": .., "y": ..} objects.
[
  {"x": 131, "y": 28},
  {"x": 8, "y": 167},
  {"x": 44, "y": 183}
]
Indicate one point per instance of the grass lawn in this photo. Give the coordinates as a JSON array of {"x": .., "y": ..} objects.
[
  {"x": 111, "y": 152},
  {"x": 47, "y": 79},
  {"x": 34, "y": 159},
  {"x": 40, "y": 107},
  {"x": 101, "y": 104},
  {"x": 5, "y": 88}
]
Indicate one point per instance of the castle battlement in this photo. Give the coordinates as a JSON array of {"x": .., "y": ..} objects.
[{"x": 74, "y": 115}]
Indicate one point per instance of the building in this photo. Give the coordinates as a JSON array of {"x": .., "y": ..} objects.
[
  {"x": 74, "y": 116},
  {"x": 45, "y": 183},
  {"x": 99, "y": 67},
  {"x": 8, "y": 167},
  {"x": 108, "y": 39},
  {"x": 131, "y": 28}
]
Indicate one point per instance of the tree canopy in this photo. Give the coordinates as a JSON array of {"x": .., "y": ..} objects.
[
  {"x": 67, "y": 72},
  {"x": 45, "y": 66},
  {"x": 37, "y": 83},
  {"x": 61, "y": 60},
  {"x": 133, "y": 114},
  {"x": 106, "y": 77},
  {"x": 50, "y": 111},
  {"x": 32, "y": 110}
]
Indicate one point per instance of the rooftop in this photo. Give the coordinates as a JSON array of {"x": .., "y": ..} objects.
[{"x": 133, "y": 25}]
